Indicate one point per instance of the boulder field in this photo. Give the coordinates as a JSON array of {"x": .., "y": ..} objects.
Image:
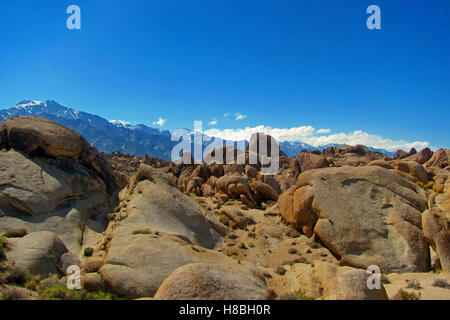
[{"x": 140, "y": 227}]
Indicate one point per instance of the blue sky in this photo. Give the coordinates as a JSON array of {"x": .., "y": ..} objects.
[{"x": 284, "y": 64}]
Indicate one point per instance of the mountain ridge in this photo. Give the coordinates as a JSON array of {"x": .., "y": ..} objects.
[{"x": 118, "y": 135}]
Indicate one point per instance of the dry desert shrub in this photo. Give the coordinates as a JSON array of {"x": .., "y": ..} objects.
[
  {"x": 14, "y": 293},
  {"x": 413, "y": 284},
  {"x": 441, "y": 283},
  {"x": 405, "y": 295}
]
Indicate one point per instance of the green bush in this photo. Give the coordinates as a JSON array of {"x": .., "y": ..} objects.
[
  {"x": 61, "y": 292},
  {"x": 88, "y": 252},
  {"x": 100, "y": 295}
]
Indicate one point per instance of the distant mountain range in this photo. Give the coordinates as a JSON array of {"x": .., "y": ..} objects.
[{"x": 117, "y": 135}]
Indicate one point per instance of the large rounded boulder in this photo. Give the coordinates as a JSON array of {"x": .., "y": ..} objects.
[
  {"x": 206, "y": 281},
  {"x": 364, "y": 215}
]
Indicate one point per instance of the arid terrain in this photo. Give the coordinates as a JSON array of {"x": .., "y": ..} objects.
[{"x": 145, "y": 228}]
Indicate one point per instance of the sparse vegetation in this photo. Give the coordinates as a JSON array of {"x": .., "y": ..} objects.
[
  {"x": 88, "y": 252},
  {"x": 2, "y": 246},
  {"x": 19, "y": 285},
  {"x": 142, "y": 231},
  {"x": 429, "y": 185},
  {"x": 281, "y": 271},
  {"x": 61, "y": 292},
  {"x": 441, "y": 283},
  {"x": 300, "y": 295},
  {"x": 384, "y": 279},
  {"x": 438, "y": 188},
  {"x": 232, "y": 254},
  {"x": 413, "y": 284},
  {"x": 405, "y": 295},
  {"x": 14, "y": 293}
]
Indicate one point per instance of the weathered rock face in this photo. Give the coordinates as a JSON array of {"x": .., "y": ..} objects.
[
  {"x": 137, "y": 263},
  {"x": 235, "y": 187},
  {"x": 258, "y": 139},
  {"x": 308, "y": 161},
  {"x": 52, "y": 179},
  {"x": 352, "y": 285},
  {"x": 38, "y": 136},
  {"x": 412, "y": 168},
  {"x": 38, "y": 186},
  {"x": 205, "y": 281},
  {"x": 436, "y": 227},
  {"x": 263, "y": 191},
  {"x": 436, "y": 220},
  {"x": 325, "y": 281},
  {"x": 440, "y": 159},
  {"x": 157, "y": 230},
  {"x": 421, "y": 157},
  {"x": 38, "y": 253},
  {"x": 365, "y": 215},
  {"x": 152, "y": 200},
  {"x": 351, "y": 155},
  {"x": 400, "y": 154}
]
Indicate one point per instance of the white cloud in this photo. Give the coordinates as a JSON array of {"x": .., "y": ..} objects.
[
  {"x": 213, "y": 122},
  {"x": 226, "y": 115},
  {"x": 160, "y": 122},
  {"x": 240, "y": 116},
  {"x": 310, "y": 135}
]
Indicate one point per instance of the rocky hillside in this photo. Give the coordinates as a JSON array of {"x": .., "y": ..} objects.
[{"x": 141, "y": 227}]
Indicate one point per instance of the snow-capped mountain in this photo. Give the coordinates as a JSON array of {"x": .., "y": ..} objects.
[
  {"x": 106, "y": 136},
  {"x": 119, "y": 135}
]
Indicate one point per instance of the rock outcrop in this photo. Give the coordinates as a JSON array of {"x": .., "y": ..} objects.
[
  {"x": 153, "y": 200},
  {"x": 352, "y": 285},
  {"x": 436, "y": 227},
  {"x": 205, "y": 281},
  {"x": 38, "y": 253},
  {"x": 138, "y": 262},
  {"x": 365, "y": 216},
  {"x": 53, "y": 180}
]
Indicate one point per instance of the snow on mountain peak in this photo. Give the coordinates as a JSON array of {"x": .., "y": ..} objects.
[
  {"x": 28, "y": 103},
  {"x": 120, "y": 123}
]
